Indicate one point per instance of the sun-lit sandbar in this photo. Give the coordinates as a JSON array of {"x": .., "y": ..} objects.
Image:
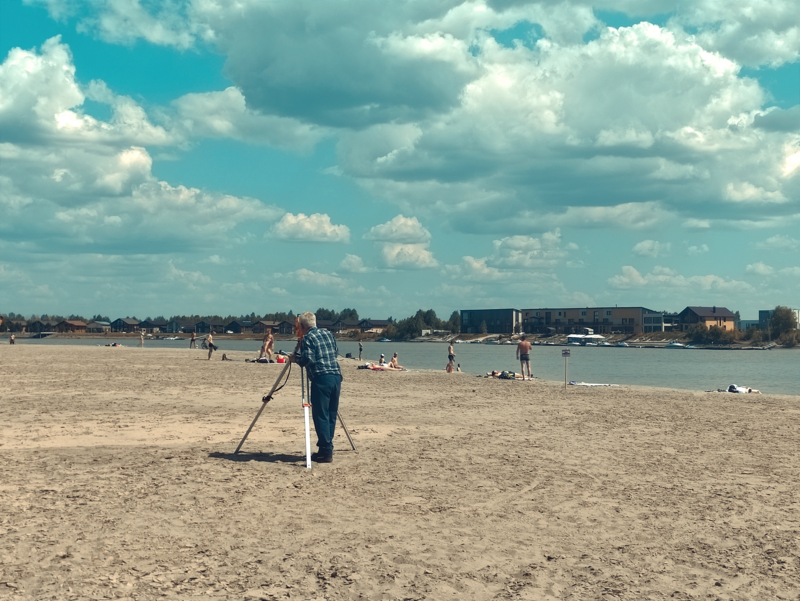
[{"x": 118, "y": 479}]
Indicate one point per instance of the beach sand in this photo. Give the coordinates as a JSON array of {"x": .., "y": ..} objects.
[{"x": 118, "y": 480}]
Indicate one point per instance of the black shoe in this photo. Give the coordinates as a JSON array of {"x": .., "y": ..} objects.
[{"x": 317, "y": 458}]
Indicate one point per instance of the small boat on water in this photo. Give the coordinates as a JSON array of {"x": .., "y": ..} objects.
[
  {"x": 674, "y": 344},
  {"x": 384, "y": 339},
  {"x": 604, "y": 343},
  {"x": 475, "y": 342},
  {"x": 622, "y": 344},
  {"x": 574, "y": 344},
  {"x": 491, "y": 342},
  {"x": 590, "y": 344}
]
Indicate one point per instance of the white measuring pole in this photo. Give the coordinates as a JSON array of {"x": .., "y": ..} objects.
[
  {"x": 305, "y": 414},
  {"x": 308, "y": 435}
]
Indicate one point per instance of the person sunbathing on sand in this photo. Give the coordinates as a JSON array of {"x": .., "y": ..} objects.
[{"x": 742, "y": 389}]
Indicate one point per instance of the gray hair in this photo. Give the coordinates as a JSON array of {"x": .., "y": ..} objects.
[{"x": 308, "y": 320}]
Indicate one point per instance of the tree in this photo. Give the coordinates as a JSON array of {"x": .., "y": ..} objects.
[
  {"x": 483, "y": 328},
  {"x": 322, "y": 313},
  {"x": 455, "y": 322},
  {"x": 351, "y": 314},
  {"x": 783, "y": 320}
]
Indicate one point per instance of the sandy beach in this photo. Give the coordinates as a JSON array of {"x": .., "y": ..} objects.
[{"x": 118, "y": 480}]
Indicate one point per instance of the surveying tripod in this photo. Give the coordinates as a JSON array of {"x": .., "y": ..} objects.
[{"x": 304, "y": 384}]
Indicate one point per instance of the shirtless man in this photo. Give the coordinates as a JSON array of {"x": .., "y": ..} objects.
[
  {"x": 523, "y": 354},
  {"x": 193, "y": 341},
  {"x": 451, "y": 355},
  {"x": 211, "y": 346},
  {"x": 393, "y": 362}
]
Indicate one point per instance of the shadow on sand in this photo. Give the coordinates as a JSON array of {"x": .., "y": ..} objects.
[{"x": 265, "y": 457}]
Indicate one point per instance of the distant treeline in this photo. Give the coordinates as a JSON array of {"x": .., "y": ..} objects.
[{"x": 405, "y": 329}]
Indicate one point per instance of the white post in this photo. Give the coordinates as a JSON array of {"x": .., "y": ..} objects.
[{"x": 308, "y": 436}]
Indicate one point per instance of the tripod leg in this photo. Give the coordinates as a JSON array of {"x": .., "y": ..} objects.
[
  {"x": 352, "y": 444},
  {"x": 266, "y": 400}
]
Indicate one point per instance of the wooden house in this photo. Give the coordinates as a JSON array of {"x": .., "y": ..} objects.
[
  {"x": 373, "y": 325},
  {"x": 341, "y": 326},
  {"x": 261, "y": 327},
  {"x": 98, "y": 327},
  {"x": 153, "y": 326},
  {"x": 209, "y": 327},
  {"x": 125, "y": 324},
  {"x": 72, "y": 326},
  {"x": 240, "y": 326},
  {"x": 286, "y": 327}
]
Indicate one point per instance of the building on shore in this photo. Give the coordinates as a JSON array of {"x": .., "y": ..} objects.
[
  {"x": 374, "y": 326},
  {"x": 765, "y": 316},
  {"x": 209, "y": 327},
  {"x": 98, "y": 327},
  {"x": 71, "y": 326},
  {"x": 153, "y": 326},
  {"x": 708, "y": 316},
  {"x": 240, "y": 326},
  {"x": 496, "y": 321},
  {"x": 125, "y": 324},
  {"x": 602, "y": 320}
]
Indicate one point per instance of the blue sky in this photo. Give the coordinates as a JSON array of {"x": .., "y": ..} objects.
[{"x": 197, "y": 157}]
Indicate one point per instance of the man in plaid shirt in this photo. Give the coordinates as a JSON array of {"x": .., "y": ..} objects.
[{"x": 317, "y": 353}]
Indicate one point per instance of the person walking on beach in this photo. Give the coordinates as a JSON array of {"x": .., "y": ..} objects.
[
  {"x": 360, "y": 348},
  {"x": 524, "y": 356},
  {"x": 317, "y": 352},
  {"x": 193, "y": 341},
  {"x": 211, "y": 346},
  {"x": 269, "y": 342},
  {"x": 141, "y": 338},
  {"x": 451, "y": 355},
  {"x": 11, "y": 339}
]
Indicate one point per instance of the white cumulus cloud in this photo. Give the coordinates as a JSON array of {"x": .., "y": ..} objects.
[
  {"x": 651, "y": 248},
  {"x": 411, "y": 256},
  {"x": 403, "y": 229},
  {"x": 760, "y": 268},
  {"x": 310, "y": 228}
]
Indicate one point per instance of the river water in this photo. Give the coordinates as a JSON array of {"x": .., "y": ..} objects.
[{"x": 775, "y": 371}]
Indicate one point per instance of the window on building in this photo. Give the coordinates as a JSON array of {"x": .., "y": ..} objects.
[
  {"x": 608, "y": 312},
  {"x": 583, "y": 313}
]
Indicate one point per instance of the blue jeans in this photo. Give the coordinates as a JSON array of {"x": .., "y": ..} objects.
[{"x": 325, "y": 390}]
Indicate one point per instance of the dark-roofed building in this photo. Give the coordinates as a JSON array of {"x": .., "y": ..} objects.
[
  {"x": 240, "y": 326},
  {"x": 345, "y": 325},
  {"x": 153, "y": 326},
  {"x": 708, "y": 316},
  {"x": 98, "y": 327},
  {"x": 174, "y": 326},
  {"x": 373, "y": 325},
  {"x": 286, "y": 327},
  {"x": 208, "y": 327},
  {"x": 39, "y": 326},
  {"x": 325, "y": 324},
  {"x": 125, "y": 324},
  {"x": 261, "y": 327},
  {"x": 71, "y": 325},
  {"x": 497, "y": 321}
]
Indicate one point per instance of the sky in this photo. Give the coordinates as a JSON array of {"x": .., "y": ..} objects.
[{"x": 209, "y": 157}]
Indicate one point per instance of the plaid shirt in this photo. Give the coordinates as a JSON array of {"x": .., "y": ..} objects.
[{"x": 318, "y": 353}]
